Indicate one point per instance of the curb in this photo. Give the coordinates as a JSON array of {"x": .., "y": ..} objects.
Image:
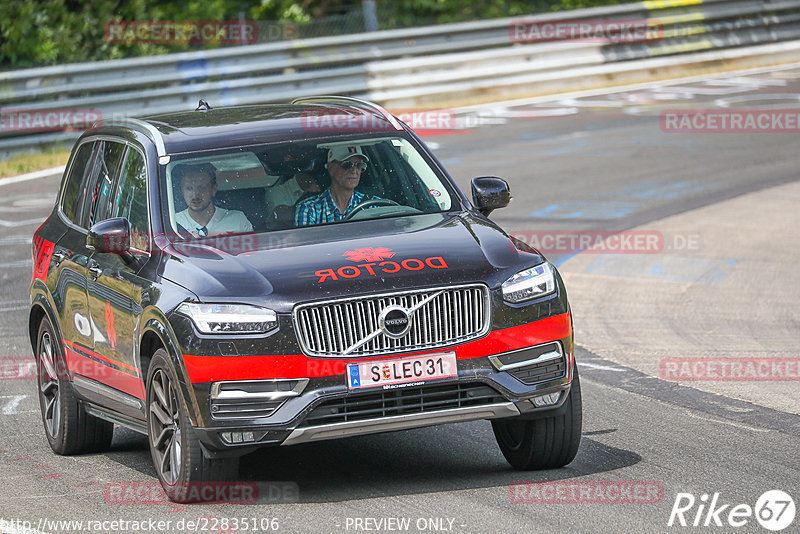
[{"x": 32, "y": 175}]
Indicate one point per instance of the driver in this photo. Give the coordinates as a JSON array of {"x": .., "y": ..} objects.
[{"x": 345, "y": 165}]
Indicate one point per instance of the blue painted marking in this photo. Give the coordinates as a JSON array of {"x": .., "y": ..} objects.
[
  {"x": 534, "y": 135},
  {"x": 355, "y": 378},
  {"x": 660, "y": 190},
  {"x": 565, "y": 257},
  {"x": 586, "y": 210},
  {"x": 193, "y": 70},
  {"x": 656, "y": 269},
  {"x": 565, "y": 148}
]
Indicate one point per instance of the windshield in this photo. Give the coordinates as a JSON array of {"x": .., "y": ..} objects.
[{"x": 299, "y": 184}]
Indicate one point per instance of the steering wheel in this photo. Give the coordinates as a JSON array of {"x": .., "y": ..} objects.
[{"x": 370, "y": 204}]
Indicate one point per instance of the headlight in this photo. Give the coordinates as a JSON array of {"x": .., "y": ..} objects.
[
  {"x": 529, "y": 284},
  {"x": 229, "y": 318}
]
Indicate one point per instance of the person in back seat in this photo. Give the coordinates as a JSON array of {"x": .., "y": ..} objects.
[
  {"x": 280, "y": 199},
  {"x": 202, "y": 218}
]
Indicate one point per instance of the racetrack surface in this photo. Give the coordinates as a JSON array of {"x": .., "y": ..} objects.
[{"x": 723, "y": 284}]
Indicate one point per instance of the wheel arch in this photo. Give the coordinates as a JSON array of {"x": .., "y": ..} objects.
[
  {"x": 156, "y": 334},
  {"x": 41, "y": 308}
]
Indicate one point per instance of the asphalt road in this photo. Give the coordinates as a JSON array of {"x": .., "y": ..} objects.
[{"x": 584, "y": 164}]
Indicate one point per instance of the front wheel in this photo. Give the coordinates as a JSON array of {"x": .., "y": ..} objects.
[
  {"x": 180, "y": 462},
  {"x": 546, "y": 443}
]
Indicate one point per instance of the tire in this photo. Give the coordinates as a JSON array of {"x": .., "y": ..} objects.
[
  {"x": 178, "y": 458},
  {"x": 69, "y": 429},
  {"x": 546, "y": 443}
]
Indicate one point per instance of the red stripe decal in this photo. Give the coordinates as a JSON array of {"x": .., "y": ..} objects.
[
  {"x": 215, "y": 368},
  {"x": 80, "y": 364},
  {"x": 101, "y": 357}
]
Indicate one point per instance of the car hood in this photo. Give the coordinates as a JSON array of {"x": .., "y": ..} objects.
[{"x": 283, "y": 268}]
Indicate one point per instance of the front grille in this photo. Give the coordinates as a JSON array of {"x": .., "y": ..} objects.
[
  {"x": 455, "y": 315},
  {"x": 360, "y": 406}
]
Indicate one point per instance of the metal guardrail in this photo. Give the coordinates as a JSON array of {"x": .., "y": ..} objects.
[{"x": 412, "y": 67}]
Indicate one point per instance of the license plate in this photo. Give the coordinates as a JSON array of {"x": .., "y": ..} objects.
[{"x": 402, "y": 372}]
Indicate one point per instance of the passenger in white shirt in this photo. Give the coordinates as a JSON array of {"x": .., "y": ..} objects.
[{"x": 201, "y": 218}]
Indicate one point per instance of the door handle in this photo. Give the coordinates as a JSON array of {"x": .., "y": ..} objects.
[
  {"x": 58, "y": 257},
  {"x": 95, "y": 271}
]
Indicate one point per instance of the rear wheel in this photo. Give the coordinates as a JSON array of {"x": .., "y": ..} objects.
[
  {"x": 69, "y": 429},
  {"x": 177, "y": 455},
  {"x": 546, "y": 443}
]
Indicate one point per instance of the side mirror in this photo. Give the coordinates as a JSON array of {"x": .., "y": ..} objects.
[
  {"x": 112, "y": 236},
  {"x": 490, "y": 193}
]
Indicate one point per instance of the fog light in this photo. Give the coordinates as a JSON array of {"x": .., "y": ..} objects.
[
  {"x": 237, "y": 437},
  {"x": 546, "y": 400}
]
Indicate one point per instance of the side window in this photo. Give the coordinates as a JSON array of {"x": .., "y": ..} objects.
[
  {"x": 73, "y": 187},
  {"x": 106, "y": 166},
  {"x": 130, "y": 199}
]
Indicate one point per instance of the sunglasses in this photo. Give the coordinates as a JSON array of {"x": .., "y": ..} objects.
[{"x": 347, "y": 165}]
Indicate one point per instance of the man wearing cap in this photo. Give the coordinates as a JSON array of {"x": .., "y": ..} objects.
[{"x": 345, "y": 165}]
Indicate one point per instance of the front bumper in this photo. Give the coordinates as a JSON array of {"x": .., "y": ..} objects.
[{"x": 326, "y": 409}]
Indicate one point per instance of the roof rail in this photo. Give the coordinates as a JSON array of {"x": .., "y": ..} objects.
[
  {"x": 146, "y": 128},
  {"x": 350, "y": 100}
]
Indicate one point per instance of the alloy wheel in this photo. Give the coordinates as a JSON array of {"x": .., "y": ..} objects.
[
  {"x": 165, "y": 430},
  {"x": 49, "y": 386}
]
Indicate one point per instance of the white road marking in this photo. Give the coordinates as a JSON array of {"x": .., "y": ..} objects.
[
  {"x": 16, "y": 240},
  {"x": 11, "y": 405},
  {"x": 733, "y": 101},
  {"x": 21, "y": 223},
  {"x": 15, "y": 308},
  {"x": 772, "y": 71},
  {"x": 723, "y": 422},
  {"x": 601, "y": 367},
  {"x": 32, "y": 175},
  {"x": 18, "y": 263}
]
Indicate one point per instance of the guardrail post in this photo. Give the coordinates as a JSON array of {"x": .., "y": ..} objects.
[{"x": 370, "y": 15}]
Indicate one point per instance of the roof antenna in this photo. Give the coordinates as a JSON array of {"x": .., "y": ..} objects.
[{"x": 203, "y": 106}]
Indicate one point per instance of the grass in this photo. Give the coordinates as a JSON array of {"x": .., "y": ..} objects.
[{"x": 25, "y": 163}]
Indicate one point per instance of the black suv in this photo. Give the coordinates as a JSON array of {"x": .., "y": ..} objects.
[{"x": 204, "y": 279}]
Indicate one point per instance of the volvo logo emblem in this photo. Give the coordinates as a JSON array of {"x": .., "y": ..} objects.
[{"x": 394, "y": 321}]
